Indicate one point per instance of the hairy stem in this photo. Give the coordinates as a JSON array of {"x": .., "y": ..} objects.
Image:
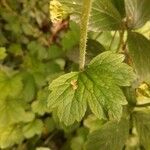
[{"x": 85, "y": 14}]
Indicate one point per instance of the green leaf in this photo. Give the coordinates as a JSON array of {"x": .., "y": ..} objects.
[
  {"x": 12, "y": 111},
  {"x": 142, "y": 124},
  {"x": 62, "y": 126},
  {"x": 69, "y": 103},
  {"x": 139, "y": 48},
  {"x": 78, "y": 141},
  {"x": 71, "y": 38},
  {"x": 15, "y": 49},
  {"x": 109, "y": 65},
  {"x": 40, "y": 105},
  {"x": 120, "y": 5},
  {"x": 105, "y": 39},
  {"x": 41, "y": 70},
  {"x": 33, "y": 128},
  {"x": 49, "y": 124},
  {"x": 131, "y": 96},
  {"x": 2, "y": 53},
  {"x": 37, "y": 50},
  {"x": 29, "y": 87},
  {"x": 112, "y": 136},
  {"x": 11, "y": 85},
  {"x": 104, "y": 75},
  {"x": 98, "y": 86},
  {"x": 104, "y": 15},
  {"x": 3, "y": 39},
  {"x": 93, "y": 123},
  {"x": 93, "y": 49},
  {"x": 138, "y": 13},
  {"x": 10, "y": 135},
  {"x": 54, "y": 52}
]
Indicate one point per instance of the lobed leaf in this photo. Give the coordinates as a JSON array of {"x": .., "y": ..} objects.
[
  {"x": 11, "y": 85},
  {"x": 120, "y": 5},
  {"x": 112, "y": 135},
  {"x": 12, "y": 111},
  {"x": 40, "y": 105},
  {"x": 29, "y": 87},
  {"x": 97, "y": 86},
  {"x": 109, "y": 64},
  {"x": 104, "y": 15},
  {"x": 142, "y": 124},
  {"x": 2, "y": 53},
  {"x": 33, "y": 128},
  {"x": 68, "y": 98},
  {"x": 10, "y": 135},
  {"x": 139, "y": 48},
  {"x": 138, "y": 13}
]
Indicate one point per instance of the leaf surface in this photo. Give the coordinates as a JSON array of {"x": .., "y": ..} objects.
[
  {"x": 138, "y": 12},
  {"x": 10, "y": 135},
  {"x": 12, "y": 111},
  {"x": 11, "y": 85},
  {"x": 40, "y": 105},
  {"x": 33, "y": 128},
  {"x": 112, "y": 135},
  {"x": 97, "y": 86},
  {"x": 29, "y": 87},
  {"x": 104, "y": 15},
  {"x": 2, "y": 53},
  {"x": 120, "y": 5},
  {"x": 142, "y": 124},
  {"x": 139, "y": 49},
  {"x": 68, "y": 98}
]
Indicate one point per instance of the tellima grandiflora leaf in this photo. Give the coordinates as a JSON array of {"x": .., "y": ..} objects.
[{"x": 98, "y": 87}]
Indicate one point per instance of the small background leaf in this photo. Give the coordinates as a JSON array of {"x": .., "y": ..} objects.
[
  {"x": 138, "y": 12},
  {"x": 2, "y": 53},
  {"x": 33, "y": 128},
  {"x": 12, "y": 111},
  {"x": 142, "y": 124},
  {"x": 139, "y": 48},
  {"x": 111, "y": 136},
  {"x": 120, "y": 5},
  {"x": 104, "y": 15},
  {"x": 40, "y": 105},
  {"x": 10, "y": 135}
]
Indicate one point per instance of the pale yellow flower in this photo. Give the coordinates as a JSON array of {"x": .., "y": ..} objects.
[{"x": 58, "y": 12}]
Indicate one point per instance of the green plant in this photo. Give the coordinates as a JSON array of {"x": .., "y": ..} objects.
[{"x": 97, "y": 85}]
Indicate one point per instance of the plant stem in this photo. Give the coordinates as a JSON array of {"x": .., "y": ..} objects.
[
  {"x": 85, "y": 14},
  {"x": 143, "y": 105},
  {"x": 112, "y": 40},
  {"x": 121, "y": 42},
  {"x": 98, "y": 35}
]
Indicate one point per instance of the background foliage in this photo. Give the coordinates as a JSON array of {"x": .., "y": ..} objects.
[{"x": 34, "y": 51}]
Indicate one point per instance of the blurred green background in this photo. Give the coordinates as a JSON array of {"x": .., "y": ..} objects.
[{"x": 33, "y": 52}]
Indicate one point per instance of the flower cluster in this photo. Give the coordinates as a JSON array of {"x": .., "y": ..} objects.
[{"x": 57, "y": 11}]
